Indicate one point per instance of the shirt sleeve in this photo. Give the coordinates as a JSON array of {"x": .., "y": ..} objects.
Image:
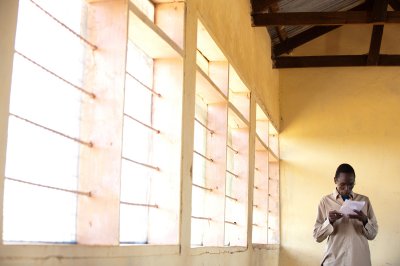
[
  {"x": 370, "y": 230},
  {"x": 322, "y": 227}
]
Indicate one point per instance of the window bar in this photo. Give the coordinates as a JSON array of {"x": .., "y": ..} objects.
[
  {"x": 201, "y": 155},
  {"x": 92, "y": 95},
  {"x": 235, "y": 175},
  {"x": 205, "y": 188},
  {"x": 228, "y": 222},
  {"x": 202, "y": 218},
  {"x": 88, "y": 194},
  {"x": 142, "y": 164},
  {"x": 144, "y": 85},
  {"x": 89, "y": 144},
  {"x": 140, "y": 204},
  {"x": 235, "y": 151},
  {"x": 205, "y": 57},
  {"x": 143, "y": 124},
  {"x": 232, "y": 198},
  {"x": 94, "y": 47},
  {"x": 210, "y": 130}
]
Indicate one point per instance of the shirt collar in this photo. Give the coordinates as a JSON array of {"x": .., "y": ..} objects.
[{"x": 336, "y": 194}]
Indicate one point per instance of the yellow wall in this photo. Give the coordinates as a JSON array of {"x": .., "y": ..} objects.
[
  {"x": 331, "y": 116},
  {"x": 351, "y": 40},
  {"x": 248, "y": 49}
]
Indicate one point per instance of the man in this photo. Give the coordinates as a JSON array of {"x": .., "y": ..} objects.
[{"x": 348, "y": 236}]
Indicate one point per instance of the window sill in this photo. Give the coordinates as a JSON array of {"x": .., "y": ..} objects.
[
  {"x": 216, "y": 250},
  {"x": 266, "y": 246},
  {"x": 83, "y": 251}
]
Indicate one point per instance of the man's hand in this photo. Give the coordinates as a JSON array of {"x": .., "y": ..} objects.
[
  {"x": 334, "y": 215},
  {"x": 359, "y": 216}
]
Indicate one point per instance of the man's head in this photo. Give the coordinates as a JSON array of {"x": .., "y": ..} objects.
[{"x": 344, "y": 179}]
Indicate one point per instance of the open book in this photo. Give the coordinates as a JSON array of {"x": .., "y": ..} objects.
[{"x": 350, "y": 205}]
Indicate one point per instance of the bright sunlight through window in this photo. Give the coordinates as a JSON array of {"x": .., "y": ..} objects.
[{"x": 43, "y": 143}]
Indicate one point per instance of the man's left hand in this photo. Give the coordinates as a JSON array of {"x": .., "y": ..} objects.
[{"x": 359, "y": 216}]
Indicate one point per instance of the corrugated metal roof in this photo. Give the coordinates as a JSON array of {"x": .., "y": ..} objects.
[
  {"x": 317, "y": 5},
  {"x": 309, "y": 6}
]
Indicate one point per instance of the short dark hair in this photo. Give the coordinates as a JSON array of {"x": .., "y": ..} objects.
[{"x": 344, "y": 168}]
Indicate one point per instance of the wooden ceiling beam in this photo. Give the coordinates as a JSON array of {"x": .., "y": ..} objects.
[
  {"x": 395, "y": 4},
  {"x": 389, "y": 60},
  {"x": 312, "y": 33},
  {"x": 280, "y": 30},
  {"x": 375, "y": 45},
  {"x": 261, "y": 5},
  {"x": 333, "y": 61},
  {"x": 320, "y": 61},
  {"x": 322, "y": 18},
  {"x": 379, "y": 13}
]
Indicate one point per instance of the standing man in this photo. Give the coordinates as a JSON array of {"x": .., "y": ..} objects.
[{"x": 348, "y": 236}]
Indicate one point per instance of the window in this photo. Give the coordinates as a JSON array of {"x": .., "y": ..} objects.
[
  {"x": 95, "y": 132},
  {"x": 209, "y": 158},
  {"x": 220, "y": 162},
  {"x": 55, "y": 123},
  {"x": 44, "y": 123},
  {"x": 237, "y": 168},
  {"x": 150, "y": 180},
  {"x": 266, "y": 182}
]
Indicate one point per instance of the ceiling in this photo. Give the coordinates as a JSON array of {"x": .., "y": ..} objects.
[{"x": 293, "y": 23}]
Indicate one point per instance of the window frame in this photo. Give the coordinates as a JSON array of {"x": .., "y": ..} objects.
[{"x": 89, "y": 240}]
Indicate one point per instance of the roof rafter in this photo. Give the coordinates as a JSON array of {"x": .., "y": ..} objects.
[
  {"x": 375, "y": 45},
  {"x": 323, "y": 18},
  {"x": 370, "y": 12},
  {"x": 333, "y": 61},
  {"x": 282, "y": 35},
  {"x": 395, "y": 4},
  {"x": 379, "y": 13},
  {"x": 310, "y": 34},
  {"x": 262, "y": 5}
]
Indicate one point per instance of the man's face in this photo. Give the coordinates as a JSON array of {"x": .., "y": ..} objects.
[{"x": 345, "y": 183}]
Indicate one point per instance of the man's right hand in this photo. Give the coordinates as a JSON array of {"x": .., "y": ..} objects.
[{"x": 334, "y": 215}]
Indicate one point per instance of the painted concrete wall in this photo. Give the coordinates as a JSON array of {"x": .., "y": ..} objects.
[
  {"x": 248, "y": 50},
  {"x": 351, "y": 40},
  {"x": 331, "y": 116}
]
